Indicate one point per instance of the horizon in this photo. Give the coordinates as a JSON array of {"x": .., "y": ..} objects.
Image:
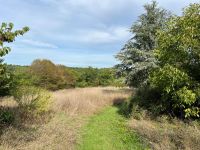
[{"x": 78, "y": 33}]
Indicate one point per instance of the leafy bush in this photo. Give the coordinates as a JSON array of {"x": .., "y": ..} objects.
[
  {"x": 174, "y": 87},
  {"x": 33, "y": 100},
  {"x": 184, "y": 97},
  {"x": 168, "y": 79}
]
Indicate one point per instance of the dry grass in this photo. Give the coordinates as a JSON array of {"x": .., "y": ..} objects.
[
  {"x": 71, "y": 110},
  {"x": 7, "y": 102},
  {"x": 165, "y": 135},
  {"x": 88, "y": 100}
]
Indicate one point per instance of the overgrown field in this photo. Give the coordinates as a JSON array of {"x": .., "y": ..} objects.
[
  {"x": 60, "y": 129},
  {"x": 91, "y": 118}
]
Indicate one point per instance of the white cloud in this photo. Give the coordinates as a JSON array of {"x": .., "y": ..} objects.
[
  {"x": 100, "y": 36},
  {"x": 38, "y": 43}
]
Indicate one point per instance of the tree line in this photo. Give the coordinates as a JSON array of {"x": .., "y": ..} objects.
[{"x": 45, "y": 74}]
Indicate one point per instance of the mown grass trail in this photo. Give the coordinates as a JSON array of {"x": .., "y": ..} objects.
[{"x": 108, "y": 131}]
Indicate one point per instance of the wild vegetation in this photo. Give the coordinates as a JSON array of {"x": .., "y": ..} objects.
[
  {"x": 165, "y": 67},
  {"x": 161, "y": 61},
  {"x": 70, "y": 112},
  {"x": 52, "y": 106}
]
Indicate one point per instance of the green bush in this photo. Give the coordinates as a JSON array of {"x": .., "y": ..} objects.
[
  {"x": 168, "y": 79},
  {"x": 33, "y": 100},
  {"x": 170, "y": 91},
  {"x": 176, "y": 97},
  {"x": 184, "y": 97}
]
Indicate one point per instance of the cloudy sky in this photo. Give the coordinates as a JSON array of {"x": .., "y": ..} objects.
[{"x": 74, "y": 32}]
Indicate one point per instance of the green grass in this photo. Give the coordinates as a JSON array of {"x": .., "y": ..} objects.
[{"x": 108, "y": 131}]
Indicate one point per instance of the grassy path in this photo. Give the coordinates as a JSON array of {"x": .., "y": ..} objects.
[{"x": 108, "y": 131}]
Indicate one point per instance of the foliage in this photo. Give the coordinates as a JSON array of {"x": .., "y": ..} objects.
[
  {"x": 179, "y": 44},
  {"x": 168, "y": 79},
  {"x": 178, "y": 55},
  {"x": 50, "y": 76},
  {"x": 6, "y": 80},
  {"x": 88, "y": 77},
  {"x": 136, "y": 57},
  {"x": 173, "y": 85},
  {"x": 67, "y": 77},
  {"x": 97, "y": 77},
  {"x": 33, "y": 100},
  {"x": 7, "y": 35}
]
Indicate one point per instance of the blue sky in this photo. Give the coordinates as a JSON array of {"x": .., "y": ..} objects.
[{"x": 74, "y": 32}]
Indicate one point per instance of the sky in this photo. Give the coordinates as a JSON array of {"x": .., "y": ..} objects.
[{"x": 76, "y": 33}]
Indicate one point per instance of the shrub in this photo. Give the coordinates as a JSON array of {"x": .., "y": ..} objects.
[
  {"x": 176, "y": 96},
  {"x": 35, "y": 101},
  {"x": 168, "y": 79},
  {"x": 184, "y": 97}
]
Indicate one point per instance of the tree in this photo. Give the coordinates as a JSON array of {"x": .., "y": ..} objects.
[
  {"x": 50, "y": 76},
  {"x": 179, "y": 44},
  {"x": 137, "y": 58},
  {"x": 105, "y": 76},
  {"x": 88, "y": 77},
  {"x": 7, "y": 35},
  {"x": 178, "y": 54}
]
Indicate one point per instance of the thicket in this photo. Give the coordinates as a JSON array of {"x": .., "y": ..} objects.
[{"x": 167, "y": 72}]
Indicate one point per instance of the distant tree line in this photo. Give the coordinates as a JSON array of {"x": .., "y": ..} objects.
[{"x": 45, "y": 74}]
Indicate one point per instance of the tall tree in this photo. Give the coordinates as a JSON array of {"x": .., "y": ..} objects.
[
  {"x": 136, "y": 56},
  {"x": 7, "y": 35}
]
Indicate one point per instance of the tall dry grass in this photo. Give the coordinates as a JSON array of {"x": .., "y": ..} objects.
[
  {"x": 88, "y": 100},
  {"x": 7, "y": 102},
  {"x": 168, "y": 135}
]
